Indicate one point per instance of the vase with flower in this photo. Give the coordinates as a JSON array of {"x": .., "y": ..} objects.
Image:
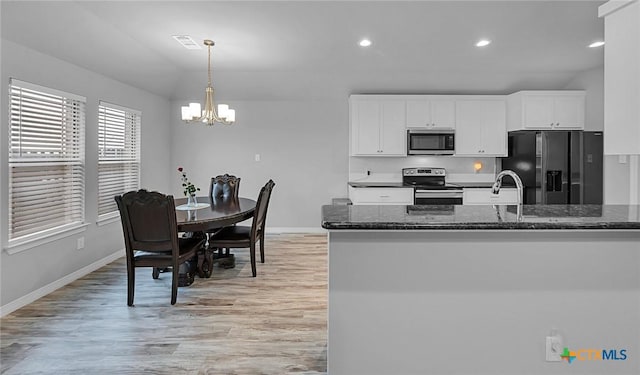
[{"x": 188, "y": 188}]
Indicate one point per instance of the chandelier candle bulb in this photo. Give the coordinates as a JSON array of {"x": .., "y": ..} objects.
[
  {"x": 195, "y": 110},
  {"x": 222, "y": 110},
  {"x": 186, "y": 113},
  {"x": 231, "y": 115}
]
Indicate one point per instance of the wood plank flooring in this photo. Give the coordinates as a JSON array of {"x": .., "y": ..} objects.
[{"x": 231, "y": 323}]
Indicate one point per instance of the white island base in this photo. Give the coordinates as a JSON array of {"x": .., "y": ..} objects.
[{"x": 481, "y": 302}]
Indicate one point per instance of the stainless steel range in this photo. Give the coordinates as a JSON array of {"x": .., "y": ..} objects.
[{"x": 431, "y": 187}]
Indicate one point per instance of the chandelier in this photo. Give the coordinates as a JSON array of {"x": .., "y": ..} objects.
[{"x": 209, "y": 115}]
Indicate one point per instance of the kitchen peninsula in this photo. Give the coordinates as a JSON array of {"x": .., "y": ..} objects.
[{"x": 476, "y": 289}]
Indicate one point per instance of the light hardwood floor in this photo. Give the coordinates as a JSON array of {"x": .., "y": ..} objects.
[{"x": 231, "y": 323}]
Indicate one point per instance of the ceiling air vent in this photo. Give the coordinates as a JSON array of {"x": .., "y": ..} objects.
[{"x": 187, "y": 42}]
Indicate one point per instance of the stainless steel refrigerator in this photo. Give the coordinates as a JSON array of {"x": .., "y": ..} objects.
[{"x": 557, "y": 167}]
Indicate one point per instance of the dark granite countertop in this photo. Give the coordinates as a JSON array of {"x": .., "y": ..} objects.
[
  {"x": 481, "y": 217},
  {"x": 474, "y": 184},
  {"x": 364, "y": 184}
]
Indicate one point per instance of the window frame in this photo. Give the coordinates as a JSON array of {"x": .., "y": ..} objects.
[
  {"x": 55, "y": 146},
  {"x": 126, "y": 130}
]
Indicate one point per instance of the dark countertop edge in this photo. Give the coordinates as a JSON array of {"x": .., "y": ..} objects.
[
  {"x": 378, "y": 185},
  {"x": 482, "y": 226}
]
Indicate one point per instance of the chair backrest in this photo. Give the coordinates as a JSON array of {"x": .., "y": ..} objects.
[
  {"x": 148, "y": 221},
  {"x": 224, "y": 187},
  {"x": 260, "y": 214}
]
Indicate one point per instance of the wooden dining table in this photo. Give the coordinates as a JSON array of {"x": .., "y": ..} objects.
[{"x": 209, "y": 215}]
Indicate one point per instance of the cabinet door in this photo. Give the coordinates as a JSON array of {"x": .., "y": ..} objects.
[
  {"x": 418, "y": 113},
  {"x": 569, "y": 112},
  {"x": 481, "y": 128},
  {"x": 494, "y": 128},
  {"x": 381, "y": 196},
  {"x": 538, "y": 112},
  {"x": 468, "y": 127},
  {"x": 443, "y": 113},
  {"x": 365, "y": 127},
  {"x": 473, "y": 196},
  {"x": 393, "y": 134}
]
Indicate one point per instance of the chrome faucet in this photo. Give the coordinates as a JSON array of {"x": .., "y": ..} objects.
[{"x": 512, "y": 174}]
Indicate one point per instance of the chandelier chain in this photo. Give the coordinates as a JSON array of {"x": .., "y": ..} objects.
[{"x": 209, "y": 65}]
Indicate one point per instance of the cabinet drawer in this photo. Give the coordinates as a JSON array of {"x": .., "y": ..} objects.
[
  {"x": 381, "y": 195},
  {"x": 485, "y": 196}
]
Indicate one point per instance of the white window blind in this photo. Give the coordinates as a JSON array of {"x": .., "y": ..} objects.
[
  {"x": 118, "y": 154},
  {"x": 46, "y": 159}
]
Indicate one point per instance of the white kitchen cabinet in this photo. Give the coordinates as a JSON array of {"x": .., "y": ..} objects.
[
  {"x": 475, "y": 196},
  {"x": 430, "y": 111},
  {"x": 621, "y": 77},
  {"x": 377, "y": 126},
  {"x": 481, "y": 127},
  {"x": 381, "y": 196},
  {"x": 547, "y": 110}
]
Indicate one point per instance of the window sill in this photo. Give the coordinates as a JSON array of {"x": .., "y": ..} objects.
[
  {"x": 109, "y": 218},
  {"x": 41, "y": 238}
]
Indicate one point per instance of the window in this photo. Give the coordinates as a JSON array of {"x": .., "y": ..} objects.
[
  {"x": 46, "y": 159},
  {"x": 118, "y": 155}
]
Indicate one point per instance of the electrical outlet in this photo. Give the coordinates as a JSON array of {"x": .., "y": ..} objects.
[
  {"x": 80, "y": 243},
  {"x": 257, "y": 157},
  {"x": 554, "y": 348}
]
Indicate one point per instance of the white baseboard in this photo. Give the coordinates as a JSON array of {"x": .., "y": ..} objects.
[
  {"x": 281, "y": 230},
  {"x": 41, "y": 292}
]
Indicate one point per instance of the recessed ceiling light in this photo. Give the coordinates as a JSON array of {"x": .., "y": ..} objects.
[
  {"x": 365, "y": 43},
  {"x": 483, "y": 43},
  {"x": 596, "y": 44},
  {"x": 187, "y": 41}
]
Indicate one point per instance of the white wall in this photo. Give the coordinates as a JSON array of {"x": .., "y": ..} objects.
[
  {"x": 592, "y": 82},
  {"x": 481, "y": 302},
  {"x": 302, "y": 146},
  {"x": 33, "y": 269}
]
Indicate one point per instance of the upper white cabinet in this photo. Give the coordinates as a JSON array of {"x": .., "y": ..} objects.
[
  {"x": 621, "y": 77},
  {"x": 377, "y": 126},
  {"x": 430, "y": 111},
  {"x": 481, "y": 126},
  {"x": 550, "y": 110}
]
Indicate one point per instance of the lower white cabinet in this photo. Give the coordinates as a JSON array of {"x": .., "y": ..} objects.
[
  {"x": 381, "y": 196},
  {"x": 485, "y": 196}
]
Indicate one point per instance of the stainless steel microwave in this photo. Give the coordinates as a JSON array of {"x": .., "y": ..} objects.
[{"x": 431, "y": 142}]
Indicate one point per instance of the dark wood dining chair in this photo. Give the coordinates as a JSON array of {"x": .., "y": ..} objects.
[
  {"x": 242, "y": 236},
  {"x": 151, "y": 237},
  {"x": 223, "y": 187}
]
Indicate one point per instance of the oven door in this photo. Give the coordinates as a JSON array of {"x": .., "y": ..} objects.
[{"x": 431, "y": 197}]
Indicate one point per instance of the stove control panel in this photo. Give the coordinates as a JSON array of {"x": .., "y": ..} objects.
[{"x": 435, "y": 172}]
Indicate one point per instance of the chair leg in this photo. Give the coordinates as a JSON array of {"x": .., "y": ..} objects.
[
  {"x": 252, "y": 253},
  {"x": 174, "y": 283},
  {"x": 131, "y": 281},
  {"x": 262, "y": 247}
]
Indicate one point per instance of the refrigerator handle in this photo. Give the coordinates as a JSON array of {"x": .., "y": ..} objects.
[{"x": 541, "y": 175}]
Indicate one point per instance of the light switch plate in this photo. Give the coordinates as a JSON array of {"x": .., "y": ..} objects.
[{"x": 554, "y": 349}]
